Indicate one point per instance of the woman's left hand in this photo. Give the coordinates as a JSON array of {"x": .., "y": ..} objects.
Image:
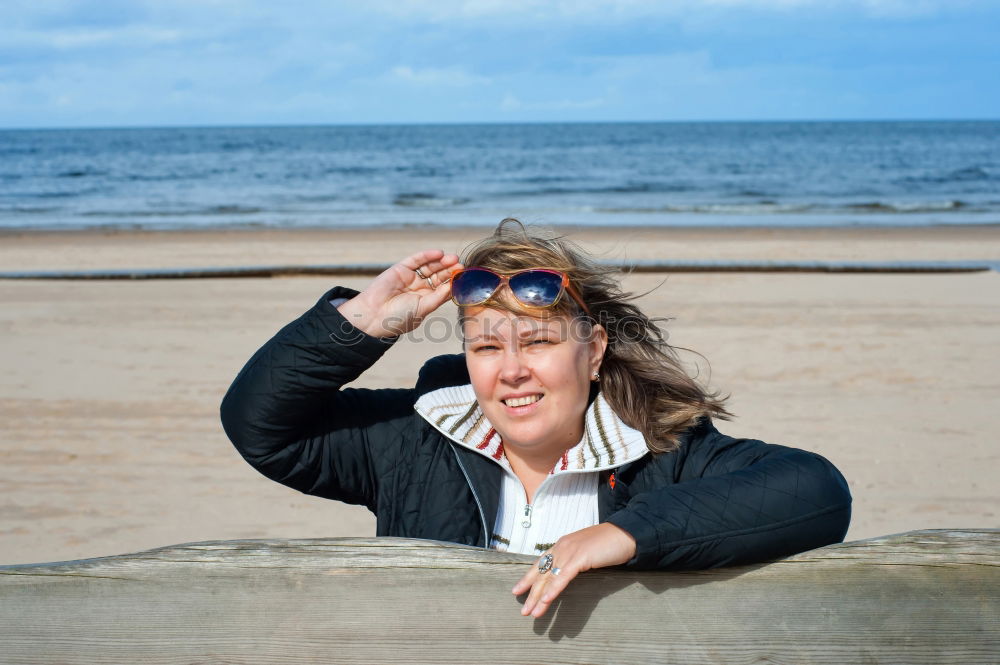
[{"x": 594, "y": 547}]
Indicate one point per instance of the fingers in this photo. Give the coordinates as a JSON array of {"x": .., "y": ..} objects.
[
  {"x": 437, "y": 272},
  {"x": 431, "y": 281},
  {"x": 525, "y": 582},
  {"x": 431, "y": 263},
  {"x": 593, "y": 547},
  {"x": 545, "y": 590},
  {"x": 398, "y": 299},
  {"x": 430, "y": 270},
  {"x": 422, "y": 258}
]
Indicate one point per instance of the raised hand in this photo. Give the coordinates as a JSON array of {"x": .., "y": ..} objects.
[
  {"x": 401, "y": 297},
  {"x": 594, "y": 547}
]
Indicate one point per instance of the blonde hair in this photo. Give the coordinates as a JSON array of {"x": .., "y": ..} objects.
[{"x": 641, "y": 375}]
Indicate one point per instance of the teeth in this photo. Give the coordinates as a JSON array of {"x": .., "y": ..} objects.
[{"x": 522, "y": 401}]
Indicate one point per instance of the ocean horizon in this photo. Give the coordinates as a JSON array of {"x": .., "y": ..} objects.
[{"x": 683, "y": 174}]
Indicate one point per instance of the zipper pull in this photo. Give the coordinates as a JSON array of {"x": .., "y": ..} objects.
[{"x": 527, "y": 516}]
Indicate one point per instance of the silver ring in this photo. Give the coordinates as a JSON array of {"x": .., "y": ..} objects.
[
  {"x": 556, "y": 571},
  {"x": 426, "y": 278},
  {"x": 545, "y": 564}
]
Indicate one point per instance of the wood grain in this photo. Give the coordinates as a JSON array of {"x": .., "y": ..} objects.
[{"x": 919, "y": 597}]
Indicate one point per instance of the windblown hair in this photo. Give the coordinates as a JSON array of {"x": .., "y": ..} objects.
[{"x": 641, "y": 375}]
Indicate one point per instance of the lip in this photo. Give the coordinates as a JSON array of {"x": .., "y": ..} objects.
[
  {"x": 522, "y": 394},
  {"x": 521, "y": 410}
]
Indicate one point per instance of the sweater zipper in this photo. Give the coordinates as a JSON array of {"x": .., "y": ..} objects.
[
  {"x": 479, "y": 505},
  {"x": 529, "y": 507}
]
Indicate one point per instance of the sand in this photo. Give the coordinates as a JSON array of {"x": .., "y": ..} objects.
[{"x": 109, "y": 396}]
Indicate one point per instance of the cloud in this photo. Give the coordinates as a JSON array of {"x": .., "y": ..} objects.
[
  {"x": 227, "y": 61},
  {"x": 443, "y": 76},
  {"x": 73, "y": 38},
  {"x": 510, "y": 103},
  {"x": 457, "y": 11}
]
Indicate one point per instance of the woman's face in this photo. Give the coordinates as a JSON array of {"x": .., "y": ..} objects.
[{"x": 532, "y": 375}]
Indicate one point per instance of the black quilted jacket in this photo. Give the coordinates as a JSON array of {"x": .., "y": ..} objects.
[{"x": 716, "y": 501}]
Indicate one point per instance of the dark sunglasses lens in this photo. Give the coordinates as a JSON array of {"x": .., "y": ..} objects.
[
  {"x": 536, "y": 288},
  {"x": 472, "y": 287}
]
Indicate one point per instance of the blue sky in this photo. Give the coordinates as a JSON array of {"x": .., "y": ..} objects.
[{"x": 92, "y": 63}]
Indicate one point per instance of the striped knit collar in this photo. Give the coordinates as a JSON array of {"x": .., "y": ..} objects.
[{"x": 607, "y": 442}]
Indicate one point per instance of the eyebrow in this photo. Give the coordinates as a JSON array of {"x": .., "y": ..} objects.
[{"x": 486, "y": 334}]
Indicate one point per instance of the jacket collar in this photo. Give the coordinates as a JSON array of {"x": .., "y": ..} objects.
[{"x": 607, "y": 441}]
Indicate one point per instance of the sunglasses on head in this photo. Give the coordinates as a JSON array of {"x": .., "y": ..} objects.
[{"x": 533, "y": 287}]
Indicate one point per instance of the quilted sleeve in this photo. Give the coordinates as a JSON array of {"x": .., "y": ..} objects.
[
  {"x": 288, "y": 418},
  {"x": 736, "y": 501}
]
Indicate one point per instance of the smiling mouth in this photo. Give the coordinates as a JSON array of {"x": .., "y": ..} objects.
[{"x": 522, "y": 401}]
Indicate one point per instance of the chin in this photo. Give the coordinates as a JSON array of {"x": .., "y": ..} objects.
[{"x": 524, "y": 439}]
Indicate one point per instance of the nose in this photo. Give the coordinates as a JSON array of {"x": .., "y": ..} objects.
[{"x": 514, "y": 370}]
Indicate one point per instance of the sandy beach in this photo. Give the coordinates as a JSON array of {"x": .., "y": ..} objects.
[{"x": 110, "y": 391}]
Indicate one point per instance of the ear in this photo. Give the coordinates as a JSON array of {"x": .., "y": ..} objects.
[{"x": 598, "y": 345}]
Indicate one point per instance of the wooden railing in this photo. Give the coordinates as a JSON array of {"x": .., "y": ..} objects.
[{"x": 919, "y": 597}]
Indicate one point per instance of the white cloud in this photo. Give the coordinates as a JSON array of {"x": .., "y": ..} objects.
[
  {"x": 67, "y": 39},
  {"x": 691, "y": 67},
  {"x": 437, "y": 76},
  {"x": 602, "y": 10},
  {"x": 886, "y": 8},
  {"x": 903, "y": 8},
  {"x": 511, "y": 103}
]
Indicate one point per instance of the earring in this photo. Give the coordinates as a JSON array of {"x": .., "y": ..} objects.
[{"x": 597, "y": 376}]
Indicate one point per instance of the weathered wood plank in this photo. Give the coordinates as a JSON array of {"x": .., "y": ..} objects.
[{"x": 920, "y": 597}]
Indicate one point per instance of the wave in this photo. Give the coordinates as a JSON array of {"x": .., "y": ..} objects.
[
  {"x": 352, "y": 170},
  {"x": 81, "y": 173},
  {"x": 432, "y": 201},
  {"x": 256, "y": 144},
  {"x": 970, "y": 173},
  {"x": 28, "y": 210},
  {"x": 315, "y": 198},
  {"x": 966, "y": 174},
  {"x": 635, "y": 188},
  {"x": 230, "y": 210},
  {"x": 768, "y": 208},
  {"x": 542, "y": 179},
  {"x": 19, "y": 151},
  {"x": 773, "y": 208},
  {"x": 425, "y": 200},
  {"x": 220, "y": 210},
  {"x": 914, "y": 206},
  {"x": 753, "y": 194},
  {"x": 179, "y": 177},
  {"x": 68, "y": 195}
]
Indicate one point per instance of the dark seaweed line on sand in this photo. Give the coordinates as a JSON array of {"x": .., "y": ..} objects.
[{"x": 230, "y": 272}]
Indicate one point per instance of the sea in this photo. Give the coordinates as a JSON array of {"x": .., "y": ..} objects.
[{"x": 769, "y": 174}]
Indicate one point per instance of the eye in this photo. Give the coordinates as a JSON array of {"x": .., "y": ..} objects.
[
  {"x": 540, "y": 341},
  {"x": 485, "y": 347}
]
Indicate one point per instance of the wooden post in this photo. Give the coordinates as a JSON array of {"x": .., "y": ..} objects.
[{"x": 919, "y": 597}]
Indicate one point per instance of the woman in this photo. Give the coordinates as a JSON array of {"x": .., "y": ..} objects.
[{"x": 567, "y": 429}]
